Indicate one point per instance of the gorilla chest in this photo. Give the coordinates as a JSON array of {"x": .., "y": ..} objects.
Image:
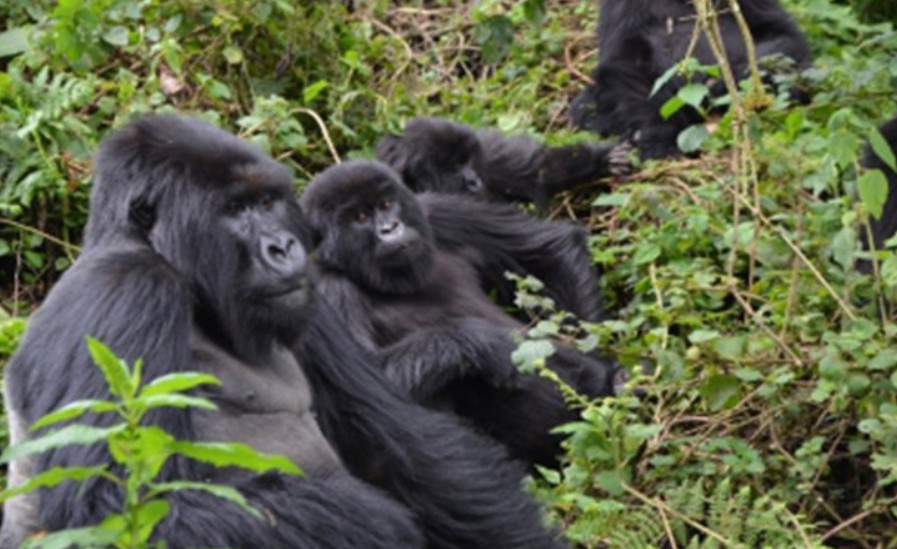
[{"x": 267, "y": 406}]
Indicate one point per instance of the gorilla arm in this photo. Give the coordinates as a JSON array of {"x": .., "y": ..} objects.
[
  {"x": 461, "y": 488},
  {"x": 498, "y": 237},
  {"x": 129, "y": 298}
]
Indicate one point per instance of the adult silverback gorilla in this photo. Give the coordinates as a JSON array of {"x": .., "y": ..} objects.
[
  {"x": 638, "y": 40},
  {"x": 406, "y": 271},
  {"x": 195, "y": 259},
  {"x": 433, "y": 154}
]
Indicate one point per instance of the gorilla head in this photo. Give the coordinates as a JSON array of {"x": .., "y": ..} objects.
[
  {"x": 370, "y": 227},
  {"x": 231, "y": 228},
  {"x": 436, "y": 155}
]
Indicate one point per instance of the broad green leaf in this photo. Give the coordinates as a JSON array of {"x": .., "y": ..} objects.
[
  {"x": 703, "y": 336},
  {"x": 228, "y": 454},
  {"x": 73, "y": 410},
  {"x": 882, "y": 149},
  {"x": 873, "y": 189},
  {"x": 664, "y": 78},
  {"x": 671, "y": 106},
  {"x": 117, "y": 36},
  {"x": 224, "y": 492},
  {"x": 51, "y": 478},
  {"x": 177, "y": 382},
  {"x": 692, "y": 137},
  {"x": 114, "y": 369},
  {"x": 885, "y": 360},
  {"x": 646, "y": 253},
  {"x": 693, "y": 94},
  {"x": 720, "y": 391},
  {"x": 611, "y": 199},
  {"x": 13, "y": 41},
  {"x": 730, "y": 348},
  {"x": 843, "y": 146},
  {"x": 531, "y": 353},
  {"x": 72, "y": 434},
  {"x": 611, "y": 482},
  {"x": 233, "y": 54}
]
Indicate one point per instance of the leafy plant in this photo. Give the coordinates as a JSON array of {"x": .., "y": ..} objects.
[{"x": 138, "y": 453}]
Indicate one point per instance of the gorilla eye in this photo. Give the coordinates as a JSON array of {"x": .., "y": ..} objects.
[
  {"x": 361, "y": 216},
  {"x": 266, "y": 201},
  {"x": 384, "y": 205}
]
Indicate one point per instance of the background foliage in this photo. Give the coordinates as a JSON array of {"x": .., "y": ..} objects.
[{"x": 772, "y": 418}]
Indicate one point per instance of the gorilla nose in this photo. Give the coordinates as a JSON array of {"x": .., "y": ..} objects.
[
  {"x": 391, "y": 231},
  {"x": 283, "y": 254}
]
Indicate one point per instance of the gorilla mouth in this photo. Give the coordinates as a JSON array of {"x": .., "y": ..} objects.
[{"x": 294, "y": 294}]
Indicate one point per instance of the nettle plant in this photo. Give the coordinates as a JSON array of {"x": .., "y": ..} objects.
[{"x": 138, "y": 451}]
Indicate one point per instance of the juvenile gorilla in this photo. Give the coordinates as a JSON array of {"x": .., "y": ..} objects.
[
  {"x": 406, "y": 271},
  {"x": 433, "y": 154},
  {"x": 638, "y": 40},
  {"x": 195, "y": 259}
]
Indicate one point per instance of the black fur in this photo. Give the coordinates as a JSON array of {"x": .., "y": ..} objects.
[
  {"x": 433, "y": 154},
  {"x": 439, "y": 337},
  {"x": 638, "y": 40},
  {"x": 885, "y": 227},
  {"x": 194, "y": 259}
]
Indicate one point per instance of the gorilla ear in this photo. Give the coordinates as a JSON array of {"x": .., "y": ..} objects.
[{"x": 142, "y": 215}]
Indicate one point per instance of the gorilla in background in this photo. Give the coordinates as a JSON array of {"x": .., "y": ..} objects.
[
  {"x": 884, "y": 227},
  {"x": 434, "y": 154},
  {"x": 406, "y": 272},
  {"x": 638, "y": 40},
  {"x": 195, "y": 259}
]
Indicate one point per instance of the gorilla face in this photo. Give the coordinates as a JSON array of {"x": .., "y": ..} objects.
[
  {"x": 219, "y": 211},
  {"x": 436, "y": 155},
  {"x": 370, "y": 227}
]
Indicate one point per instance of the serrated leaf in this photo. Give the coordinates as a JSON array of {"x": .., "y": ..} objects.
[
  {"x": 691, "y": 138},
  {"x": 51, "y": 478},
  {"x": 73, "y": 410},
  {"x": 693, "y": 94},
  {"x": 177, "y": 383},
  {"x": 882, "y": 149},
  {"x": 114, "y": 369},
  {"x": 73, "y": 434},
  {"x": 224, "y": 492},
  {"x": 235, "y": 454},
  {"x": 873, "y": 189}
]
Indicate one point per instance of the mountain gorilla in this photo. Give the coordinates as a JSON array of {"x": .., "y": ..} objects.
[
  {"x": 195, "y": 259},
  {"x": 406, "y": 271},
  {"x": 638, "y": 40},
  {"x": 439, "y": 155},
  {"x": 884, "y": 227}
]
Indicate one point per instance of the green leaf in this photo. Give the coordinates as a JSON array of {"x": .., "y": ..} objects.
[
  {"x": 117, "y": 36},
  {"x": 662, "y": 80},
  {"x": 73, "y": 410},
  {"x": 229, "y": 454},
  {"x": 693, "y": 94},
  {"x": 671, "y": 106},
  {"x": 310, "y": 92},
  {"x": 114, "y": 369},
  {"x": 730, "y": 348},
  {"x": 646, "y": 253},
  {"x": 233, "y": 54},
  {"x": 92, "y": 536},
  {"x": 531, "y": 353},
  {"x": 224, "y": 492},
  {"x": 176, "y": 401},
  {"x": 882, "y": 149},
  {"x": 843, "y": 147},
  {"x": 13, "y": 41},
  {"x": 720, "y": 391},
  {"x": 692, "y": 137},
  {"x": 885, "y": 360},
  {"x": 703, "y": 336},
  {"x": 611, "y": 482},
  {"x": 51, "y": 478},
  {"x": 73, "y": 434},
  {"x": 873, "y": 189},
  {"x": 611, "y": 199},
  {"x": 494, "y": 34},
  {"x": 178, "y": 382}
]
